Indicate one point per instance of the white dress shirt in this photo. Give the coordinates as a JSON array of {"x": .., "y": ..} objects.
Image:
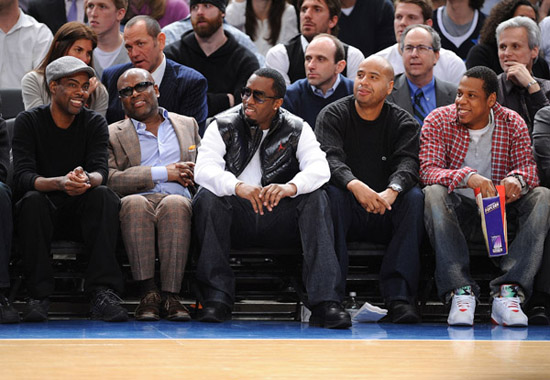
[
  {"x": 210, "y": 167},
  {"x": 22, "y": 49},
  {"x": 277, "y": 58}
]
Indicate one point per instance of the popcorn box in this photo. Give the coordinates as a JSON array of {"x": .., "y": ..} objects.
[{"x": 493, "y": 221}]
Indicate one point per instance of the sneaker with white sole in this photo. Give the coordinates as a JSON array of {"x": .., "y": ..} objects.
[
  {"x": 506, "y": 310},
  {"x": 463, "y": 307}
]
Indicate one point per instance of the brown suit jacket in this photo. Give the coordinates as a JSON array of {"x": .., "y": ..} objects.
[{"x": 126, "y": 175}]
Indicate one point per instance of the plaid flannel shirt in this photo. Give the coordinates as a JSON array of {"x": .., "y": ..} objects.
[{"x": 444, "y": 144}]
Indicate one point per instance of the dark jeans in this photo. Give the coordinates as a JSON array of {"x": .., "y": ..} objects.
[
  {"x": 91, "y": 217},
  {"x": 402, "y": 228},
  {"x": 225, "y": 222},
  {"x": 6, "y": 229}
]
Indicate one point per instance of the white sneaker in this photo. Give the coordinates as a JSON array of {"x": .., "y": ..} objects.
[
  {"x": 463, "y": 307},
  {"x": 506, "y": 310}
]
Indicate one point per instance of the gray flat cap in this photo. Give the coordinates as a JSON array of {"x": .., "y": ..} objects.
[{"x": 67, "y": 66}]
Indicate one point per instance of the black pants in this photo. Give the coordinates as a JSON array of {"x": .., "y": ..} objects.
[
  {"x": 6, "y": 228},
  {"x": 91, "y": 217}
]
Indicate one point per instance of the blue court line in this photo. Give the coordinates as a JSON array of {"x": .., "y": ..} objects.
[{"x": 86, "y": 329}]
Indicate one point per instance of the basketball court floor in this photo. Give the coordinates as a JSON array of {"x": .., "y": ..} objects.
[{"x": 83, "y": 349}]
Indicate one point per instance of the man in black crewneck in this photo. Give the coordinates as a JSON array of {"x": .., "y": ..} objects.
[
  {"x": 60, "y": 167},
  {"x": 372, "y": 149}
]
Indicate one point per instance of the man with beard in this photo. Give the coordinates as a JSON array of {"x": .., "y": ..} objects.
[
  {"x": 261, "y": 170},
  {"x": 215, "y": 54}
]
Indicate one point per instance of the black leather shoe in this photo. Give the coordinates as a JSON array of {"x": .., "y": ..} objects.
[
  {"x": 537, "y": 315},
  {"x": 214, "y": 312},
  {"x": 403, "y": 312},
  {"x": 330, "y": 315}
]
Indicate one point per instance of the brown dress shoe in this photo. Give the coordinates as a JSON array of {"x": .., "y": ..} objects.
[
  {"x": 173, "y": 310},
  {"x": 148, "y": 308}
]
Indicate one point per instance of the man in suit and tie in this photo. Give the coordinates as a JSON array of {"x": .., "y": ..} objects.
[
  {"x": 182, "y": 89},
  {"x": 55, "y": 13},
  {"x": 417, "y": 90},
  {"x": 151, "y": 161}
]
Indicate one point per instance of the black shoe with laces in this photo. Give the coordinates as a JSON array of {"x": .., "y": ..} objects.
[
  {"x": 36, "y": 310},
  {"x": 8, "y": 314},
  {"x": 105, "y": 306}
]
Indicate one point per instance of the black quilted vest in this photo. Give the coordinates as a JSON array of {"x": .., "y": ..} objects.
[{"x": 277, "y": 151}]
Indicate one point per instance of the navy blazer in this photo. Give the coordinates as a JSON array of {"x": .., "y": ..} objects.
[
  {"x": 182, "y": 91},
  {"x": 445, "y": 93}
]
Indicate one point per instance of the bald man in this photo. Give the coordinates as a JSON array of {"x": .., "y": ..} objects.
[
  {"x": 151, "y": 161},
  {"x": 372, "y": 149}
]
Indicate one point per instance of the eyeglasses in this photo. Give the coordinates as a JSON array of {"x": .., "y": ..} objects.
[
  {"x": 259, "y": 96},
  {"x": 140, "y": 87},
  {"x": 421, "y": 49}
]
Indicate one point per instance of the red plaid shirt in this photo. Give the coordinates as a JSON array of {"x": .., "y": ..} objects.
[{"x": 444, "y": 144}]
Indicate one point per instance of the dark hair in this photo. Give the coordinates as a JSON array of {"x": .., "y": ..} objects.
[
  {"x": 121, "y": 4},
  {"x": 425, "y": 5},
  {"x": 488, "y": 76},
  {"x": 157, "y": 8},
  {"x": 476, "y": 4},
  {"x": 279, "y": 84},
  {"x": 334, "y": 9},
  {"x": 502, "y": 11},
  {"x": 339, "y": 53},
  {"x": 152, "y": 25},
  {"x": 274, "y": 20},
  {"x": 64, "y": 39}
]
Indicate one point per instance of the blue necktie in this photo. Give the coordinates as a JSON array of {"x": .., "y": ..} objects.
[
  {"x": 71, "y": 16},
  {"x": 419, "y": 112}
]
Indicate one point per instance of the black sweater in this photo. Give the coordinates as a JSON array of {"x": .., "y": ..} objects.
[
  {"x": 42, "y": 149},
  {"x": 226, "y": 70},
  {"x": 378, "y": 153},
  {"x": 4, "y": 151}
]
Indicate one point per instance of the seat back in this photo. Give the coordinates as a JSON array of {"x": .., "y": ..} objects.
[{"x": 11, "y": 102}]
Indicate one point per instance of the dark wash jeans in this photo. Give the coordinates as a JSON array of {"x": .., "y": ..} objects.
[
  {"x": 225, "y": 222},
  {"x": 401, "y": 228},
  {"x": 452, "y": 220}
]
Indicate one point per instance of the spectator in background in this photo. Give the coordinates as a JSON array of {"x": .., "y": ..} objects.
[
  {"x": 104, "y": 17},
  {"x": 24, "y": 43},
  {"x": 55, "y": 13},
  {"x": 183, "y": 90},
  {"x": 518, "y": 46},
  {"x": 477, "y": 143},
  {"x": 449, "y": 67},
  {"x": 151, "y": 160},
  {"x": 267, "y": 22},
  {"x": 8, "y": 314},
  {"x": 74, "y": 39},
  {"x": 459, "y": 23},
  {"x": 485, "y": 53},
  {"x": 164, "y": 11},
  {"x": 316, "y": 16},
  {"x": 418, "y": 90},
  {"x": 323, "y": 84},
  {"x": 215, "y": 54},
  {"x": 367, "y": 25},
  {"x": 60, "y": 165}
]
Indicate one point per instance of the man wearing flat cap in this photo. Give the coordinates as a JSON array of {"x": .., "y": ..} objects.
[
  {"x": 225, "y": 63},
  {"x": 60, "y": 168}
]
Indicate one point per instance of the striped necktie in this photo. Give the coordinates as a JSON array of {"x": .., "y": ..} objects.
[
  {"x": 419, "y": 112},
  {"x": 71, "y": 16}
]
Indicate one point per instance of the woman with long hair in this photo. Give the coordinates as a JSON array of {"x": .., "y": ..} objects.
[
  {"x": 164, "y": 11},
  {"x": 267, "y": 22},
  {"x": 486, "y": 52},
  {"x": 74, "y": 39}
]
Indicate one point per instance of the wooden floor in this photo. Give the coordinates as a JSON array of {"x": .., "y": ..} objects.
[{"x": 273, "y": 359}]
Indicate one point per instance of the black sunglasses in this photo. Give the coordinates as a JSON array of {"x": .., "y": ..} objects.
[
  {"x": 259, "y": 96},
  {"x": 140, "y": 87}
]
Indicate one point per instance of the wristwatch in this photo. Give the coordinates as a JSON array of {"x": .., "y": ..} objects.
[
  {"x": 522, "y": 182},
  {"x": 395, "y": 187}
]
